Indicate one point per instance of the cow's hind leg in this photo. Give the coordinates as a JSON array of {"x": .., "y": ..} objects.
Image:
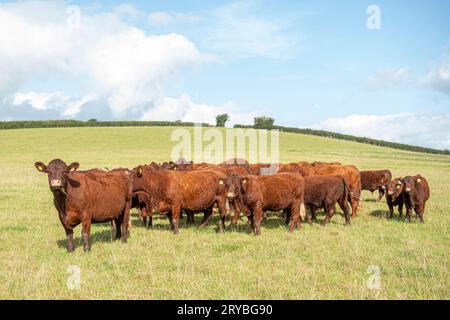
[
  {"x": 419, "y": 212},
  {"x": 257, "y": 216},
  {"x": 295, "y": 217},
  {"x": 330, "y": 208},
  {"x": 86, "y": 230},
  {"x": 176, "y": 210},
  {"x": 380, "y": 194},
  {"x": 125, "y": 222},
  {"x": 223, "y": 214},
  {"x": 207, "y": 214},
  {"x": 343, "y": 204},
  {"x": 287, "y": 216},
  {"x": 118, "y": 223}
]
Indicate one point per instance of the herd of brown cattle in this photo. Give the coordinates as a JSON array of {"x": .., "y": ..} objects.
[{"x": 98, "y": 196}]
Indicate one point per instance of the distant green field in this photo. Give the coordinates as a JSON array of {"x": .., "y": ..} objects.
[{"x": 331, "y": 262}]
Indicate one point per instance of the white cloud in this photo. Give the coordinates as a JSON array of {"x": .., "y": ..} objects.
[
  {"x": 133, "y": 67},
  {"x": 161, "y": 18},
  {"x": 388, "y": 79},
  {"x": 239, "y": 32},
  {"x": 67, "y": 106},
  {"x": 430, "y": 130},
  {"x": 184, "y": 109},
  {"x": 124, "y": 65},
  {"x": 439, "y": 77}
]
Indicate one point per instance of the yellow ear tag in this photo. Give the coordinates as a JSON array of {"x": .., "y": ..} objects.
[
  {"x": 398, "y": 187},
  {"x": 419, "y": 180},
  {"x": 220, "y": 181},
  {"x": 245, "y": 181},
  {"x": 40, "y": 168}
]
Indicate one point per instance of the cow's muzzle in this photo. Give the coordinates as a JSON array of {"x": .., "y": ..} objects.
[
  {"x": 231, "y": 195},
  {"x": 56, "y": 183},
  {"x": 390, "y": 193},
  {"x": 408, "y": 189}
]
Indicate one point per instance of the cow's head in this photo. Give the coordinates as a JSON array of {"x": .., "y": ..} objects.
[
  {"x": 409, "y": 184},
  {"x": 57, "y": 171},
  {"x": 395, "y": 188},
  {"x": 235, "y": 185}
]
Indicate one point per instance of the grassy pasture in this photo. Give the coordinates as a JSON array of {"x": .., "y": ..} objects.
[{"x": 318, "y": 262}]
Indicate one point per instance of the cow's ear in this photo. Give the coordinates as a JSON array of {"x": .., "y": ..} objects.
[
  {"x": 73, "y": 166},
  {"x": 140, "y": 171},
  {"x": 40, "y": 166},
  {"x": 244, "y": 183}
]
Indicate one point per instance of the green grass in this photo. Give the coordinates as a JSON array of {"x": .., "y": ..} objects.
[{"x": 317, "y": 262}]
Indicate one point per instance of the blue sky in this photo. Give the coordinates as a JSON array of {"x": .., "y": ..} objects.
[{"x": 306, "y": 63}]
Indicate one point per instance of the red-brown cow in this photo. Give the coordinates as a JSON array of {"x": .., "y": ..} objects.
[
  {"x": 375, "y": 180},
  {"x": 88, "y": 197},
  {"x": 192, "y": 191},
  {"x": 394, "y": 196},
  {"x": 416, "y": 193},
  {"x": 256, "y": 194},
  {"x": 325, "y": 192},
  {"x": 348, "y": 172}
]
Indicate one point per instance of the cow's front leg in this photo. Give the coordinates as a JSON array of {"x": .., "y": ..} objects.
[{"x": 69, "y": 234}]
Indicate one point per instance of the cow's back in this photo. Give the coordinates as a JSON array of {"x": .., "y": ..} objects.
[
  {"x": 279, "y": 189},
  {"x": 196, "y": 189},
  {"x": 102, "y": 193},
  {"x": 319, "y": 188},
  {"x": 421, "y": 189}
]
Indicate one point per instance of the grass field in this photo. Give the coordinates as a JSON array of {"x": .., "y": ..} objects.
[{"x": 332, "y": 262}]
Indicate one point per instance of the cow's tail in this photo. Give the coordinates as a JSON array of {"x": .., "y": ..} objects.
[
  {"x": 302, "y": 211},
  {"x": 347, "y": 191}
]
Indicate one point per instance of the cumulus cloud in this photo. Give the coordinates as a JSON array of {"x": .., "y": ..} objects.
[
  {"x": 125, "y": 66},
  {"x": 388, "y": 79},
  {"x": 184, "y": 109},
  {"x": 439, "y": 77},
  {"x": 63, "y": 104},
  {"x": 429, "y": 130}
]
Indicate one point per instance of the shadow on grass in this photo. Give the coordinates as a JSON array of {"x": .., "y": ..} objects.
[
  {"x": 107, "y": 235},
  {"x": 385, "y": 214}
]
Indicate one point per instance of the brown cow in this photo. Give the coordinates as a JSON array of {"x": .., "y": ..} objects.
[
  {"x": 88, "y": 197},
  {"x": 375, "y": 180},
  {"x": 256, "y": 194},
  {"x": 416, "y": 193},
  {"x": 348, "y": 172},
  {"x": 394, "y": 196},
  {"x": 173, "y": 191},
  {"x": 227, "y": 170},
  {"x": 325, "y": 192}
]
